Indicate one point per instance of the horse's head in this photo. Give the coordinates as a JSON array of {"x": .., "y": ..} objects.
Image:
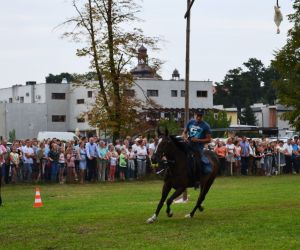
[{"x": 162, "y": 147}]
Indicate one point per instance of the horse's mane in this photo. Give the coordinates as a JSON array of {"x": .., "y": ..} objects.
[{"x": 179, "y": 143}]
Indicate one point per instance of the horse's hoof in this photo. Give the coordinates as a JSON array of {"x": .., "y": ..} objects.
[
  {"x": 152, "y": 219},
  {"x": 188, "y": 216},
  {"x": 201, "y": 209},
  {"x": 170, "y": 214}
]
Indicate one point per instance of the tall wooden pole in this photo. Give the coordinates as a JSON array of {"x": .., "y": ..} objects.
[{"x": 187, "y": 61}]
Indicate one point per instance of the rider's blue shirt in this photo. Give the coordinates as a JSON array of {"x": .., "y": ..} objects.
[{"x": 198, "y": 130}]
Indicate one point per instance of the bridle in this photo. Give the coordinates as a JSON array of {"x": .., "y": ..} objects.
[{"x": 162, "y": 158}]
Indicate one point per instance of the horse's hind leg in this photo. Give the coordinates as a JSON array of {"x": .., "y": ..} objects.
[
  {"x": 165, "y": 191},
  {"x": 204, "y": 189},
  {"x": 177, "y": 192}
]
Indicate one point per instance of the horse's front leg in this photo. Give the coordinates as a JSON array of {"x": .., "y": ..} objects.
[
  {"x": 165, "y": 191},
  {"x": 177, "y": 192}
]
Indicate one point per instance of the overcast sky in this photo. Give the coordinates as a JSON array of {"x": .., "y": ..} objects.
[{"x": 224, "y": 34}]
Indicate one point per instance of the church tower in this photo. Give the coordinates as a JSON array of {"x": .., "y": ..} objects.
[{"x": 143, "y": 70}]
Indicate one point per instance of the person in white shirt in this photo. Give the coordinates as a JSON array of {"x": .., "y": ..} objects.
[
  {"x": 28, "y": 155},
  {"x": 141, "y": 155},
  {"x": 288, "y": 151},
  {"x": 230, "y": 154}
]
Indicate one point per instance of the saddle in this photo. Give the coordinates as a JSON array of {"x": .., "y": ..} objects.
[{"x": 198, "y": 165}]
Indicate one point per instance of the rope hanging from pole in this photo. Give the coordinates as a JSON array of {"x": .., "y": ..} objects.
[{"x": 278, "y": 16}]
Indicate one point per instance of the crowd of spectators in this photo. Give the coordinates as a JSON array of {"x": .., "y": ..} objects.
[
  {"x": 243, "y": 156},
  {"x": 89, "y": 159},
  {"x": 94, "y": 160}
]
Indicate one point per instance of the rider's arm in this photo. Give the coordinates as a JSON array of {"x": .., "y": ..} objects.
[
  {"x": 184, "y": 134},
  {"x": 207, "y": 139}
]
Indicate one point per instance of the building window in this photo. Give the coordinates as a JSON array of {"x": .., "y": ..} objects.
[
  {"x": 182, "y": 93},
  {"x": 58, "y": 118},
  {"x": 90, "y": 94},
  {"x": 201, "y": 93},
  {"x": 173, "y": 93},
  {"x": 129, "y": 92},
  {"x": 58, "y": 96},
  {"x": 27, "y": 94},
  {"x": 80, "y": 120},
  {"x": 22, "y": 99},
  {"x": 80, "y": 101},
  {"x": 10, "y": 100},
  {"x": 152, "y": 92}
]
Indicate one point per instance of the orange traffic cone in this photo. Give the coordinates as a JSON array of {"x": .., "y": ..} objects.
[{"x": 38, "y": 200}]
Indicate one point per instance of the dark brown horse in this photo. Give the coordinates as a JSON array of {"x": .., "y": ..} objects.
[{"x": 174, "y": 154}]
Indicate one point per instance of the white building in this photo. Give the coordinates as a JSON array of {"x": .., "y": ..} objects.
[
  {"x": 35, "y": 107},
  {"x": 61, "y": 107}
]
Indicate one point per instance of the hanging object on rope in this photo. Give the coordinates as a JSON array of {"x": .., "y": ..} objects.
[{"x": 278, "y": 17}]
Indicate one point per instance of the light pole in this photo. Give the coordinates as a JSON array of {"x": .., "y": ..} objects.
[{"x": 187, "y": 16}]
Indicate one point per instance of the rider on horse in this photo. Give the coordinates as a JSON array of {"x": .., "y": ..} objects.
[{"x": 197, "y": 133}]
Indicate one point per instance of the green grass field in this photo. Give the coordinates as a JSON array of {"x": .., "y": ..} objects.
[{"x": 240, "y": 213}]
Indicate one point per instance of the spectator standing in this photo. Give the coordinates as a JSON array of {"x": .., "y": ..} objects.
[
  {"x": 288, "y": 151},
  {"x": 14, "y": 163},
  {"x": 118, "y": 146},
  {"x": 296, "y": 157},
  {"x": 6, "y": 165},
  {"x": 237, "y": 155},
  {"x": 260, "y": 160},
  {"x": 221, "y": 152},
  {"x": 2, "y": 162},
  {"x": 245, "y": 153},
  {"x": 113, "y": 160},
  {"x": 40, "y": 161},
  {"x": 268, "y": 160},
  {"x": 252, "y": 157},
  {"x": 131, "y": 164},
  {"x": 92, "y": 154},
  {"x": 28, "y": 155},
  {"x": 103, "y": 162},
  {"x": 141, "y": 159},
  {"x": 81, "y": 156},
  {"x": 280, "y": 156},
  {"x": 53, "y": 158},
  {"x": 61, "y": 165},
  {"x": 70, "y": 162},
  {"x": 122, "y": 164},
  {"x": 230, "y": 154}
]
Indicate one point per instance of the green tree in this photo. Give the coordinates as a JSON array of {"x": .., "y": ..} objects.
[
  {"x": 12, "y": 135},
  {"x": 241, "y": 85},
  {"x": 58, "y": 78},
  {"x": 217, "y": 120},
  {"x": 172, "y": 126},
  {"x": 250, "y": 83},
  {"x": 287, "y": 64},
  {"x": 268, "y": 91},
  {"x": 248, "y": 117},
  {"x": 99, "y": 25}
]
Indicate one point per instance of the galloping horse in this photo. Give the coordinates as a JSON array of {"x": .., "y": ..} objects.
[{"x": 174, "y": 153}]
